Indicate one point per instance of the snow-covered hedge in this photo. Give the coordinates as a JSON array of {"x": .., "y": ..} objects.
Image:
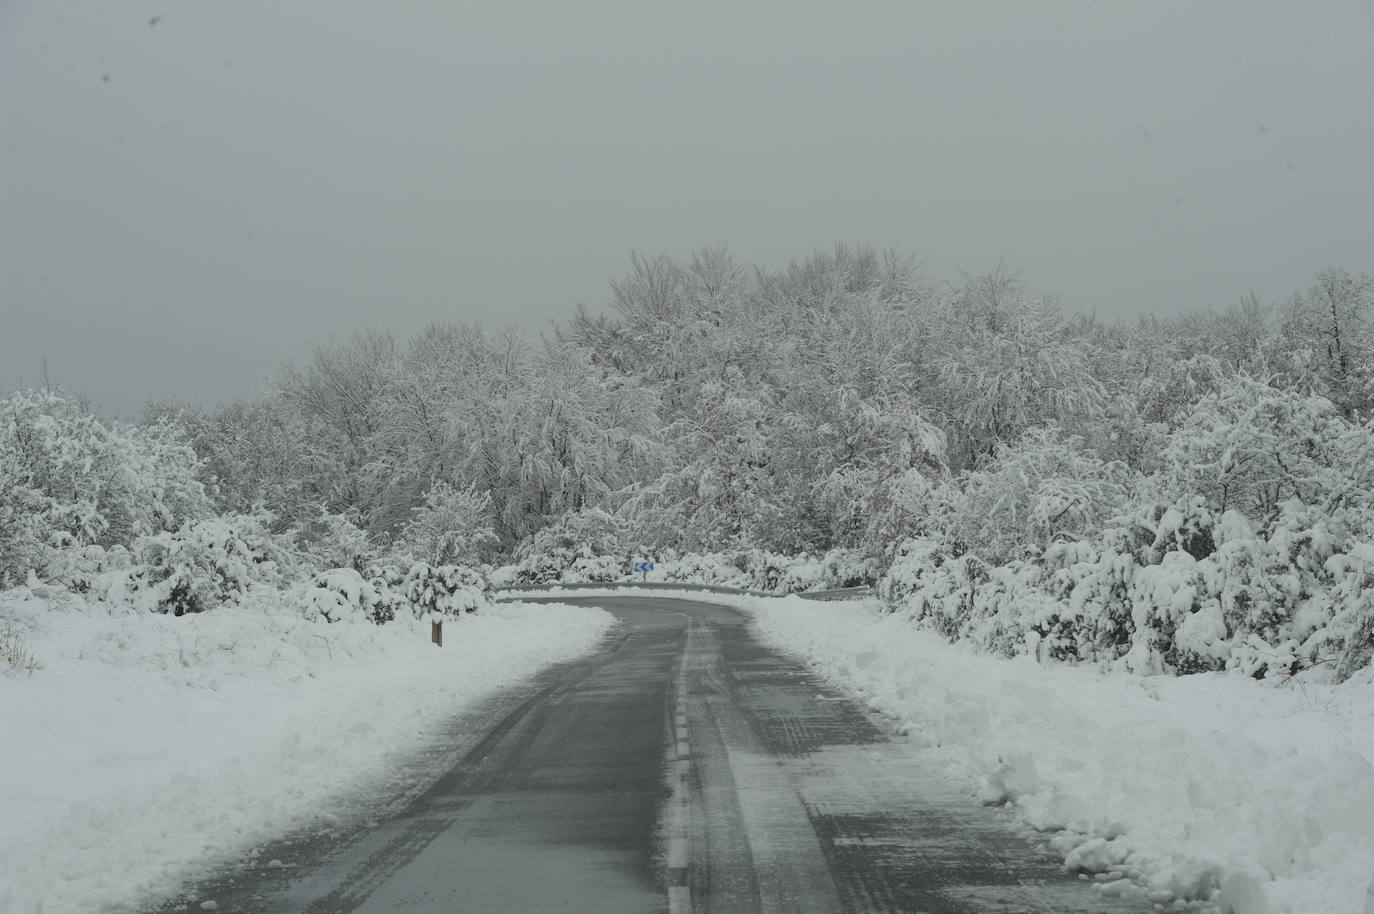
[
  {"x": 1259, "y": 603},
  {"x": 753, "y": 569},
  {"x": 1254, "y": 554}
]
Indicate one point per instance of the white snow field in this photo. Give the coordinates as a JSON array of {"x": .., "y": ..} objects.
[
  {"x": 1257, "y": 796},
  {"x": 145, "y": 745}
]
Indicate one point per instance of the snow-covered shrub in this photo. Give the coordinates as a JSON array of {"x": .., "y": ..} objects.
[
  {"x": 589, "y": 531},
  {"x": 503, "y": 576},
  {"x": 801, "y": 573},
  {"x": 87, "y": 569},
  {"x": 1004, "y": 609},
  {"x": 206, "y": 564},
  {"x": 580, "y": 546},
  {"x": 345, "y": 595},
  {"x": 436, "y": 591},
  {"x": 912, "y": 563},
  {"x": 701, "y": 569},
  {"x": 932, "y": 587},
  {"x": 1349, "y": 638},
  {"x": 1164, "y": 598},
  {"x": 388, "y": 577},
  {"x": 849, "y": 568},
  {"x": 597, "y": 569},
  {"x": 1093, "y": 583},
  {"x": 1014, "y": 614},
  {"x": 1153, "y": 530},
  {"x": 340, "y": 595},
  {"x": 775, "y": 573},
  {"x": 541, "y": 568}
]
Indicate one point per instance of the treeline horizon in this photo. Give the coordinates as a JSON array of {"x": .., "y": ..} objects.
[{"x": 716, "y": 404}]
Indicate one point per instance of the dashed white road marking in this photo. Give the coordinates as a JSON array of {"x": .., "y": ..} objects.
[
  {"x": 677, "y": 852},
  {"x": 679, "y": 812},
  {"x": 679, "y": 899}
]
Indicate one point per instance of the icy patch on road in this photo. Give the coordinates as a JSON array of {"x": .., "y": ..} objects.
[
  {"x": 146, "y": 745},
  {"x": 1215, "y": 787}
]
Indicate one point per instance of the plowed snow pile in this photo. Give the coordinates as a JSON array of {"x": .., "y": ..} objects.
[
  {"x": 146, "y": 744},
  {"x": 1257, "y": 796}
]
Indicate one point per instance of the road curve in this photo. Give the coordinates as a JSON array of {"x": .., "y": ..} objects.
[{"x": 683, "y": 767}]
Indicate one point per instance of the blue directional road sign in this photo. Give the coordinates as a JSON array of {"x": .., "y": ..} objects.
[{"x": 644, "y": 567}]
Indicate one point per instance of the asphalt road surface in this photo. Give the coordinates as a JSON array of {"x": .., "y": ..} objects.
[{"x": 683, "y": 767}]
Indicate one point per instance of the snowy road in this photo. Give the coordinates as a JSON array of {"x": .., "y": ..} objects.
[{"x": 683, "y": 767}]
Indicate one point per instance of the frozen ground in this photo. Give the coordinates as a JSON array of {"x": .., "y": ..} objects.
[
  {"x": 146, "y": 747},
  {"x": 1257, "y": 795}
]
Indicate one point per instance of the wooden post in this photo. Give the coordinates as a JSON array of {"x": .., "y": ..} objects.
[{"x": 436, "y": 633}]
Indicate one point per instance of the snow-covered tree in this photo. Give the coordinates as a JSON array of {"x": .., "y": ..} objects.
[
  {"x": 69, "y": 478},
  {"x": 1046, "y": 487},
  {"x": 1018, "y": 368},
  {"x": 453, "y": 526},
  {"x": 1251, "y": 447},
  {"x": 1330, "y": 328}
]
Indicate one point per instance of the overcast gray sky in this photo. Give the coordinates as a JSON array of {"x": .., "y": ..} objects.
[{"x": 188, "y": 200}]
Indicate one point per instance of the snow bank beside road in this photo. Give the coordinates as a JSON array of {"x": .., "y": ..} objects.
[
  {"x": 147, "y": 744},
  {"x": 1259, "y": 798}
]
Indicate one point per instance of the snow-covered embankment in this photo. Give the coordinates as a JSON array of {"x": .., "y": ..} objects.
[
  {"x": 146, "y": 746},
  {"x": 1258, "y": 796}
]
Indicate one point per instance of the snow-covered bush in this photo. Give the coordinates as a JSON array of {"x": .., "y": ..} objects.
[
  {"x": 340, "y": 595},
  {"x": 798, "y": 574},
  {"x": 841, "y": 568},
  {"x": 597, "y": 569},
  {"x": 701, "y": 569},
  {"x": 345, "y": 595},
  {"x": 1093, "y": 583},
  {"x": 931, "y": 586},
  {"x": 436, "y": 591},
  {"x": 208, "y": 563},
  {"x": 768, "y": 571},
  {"x": 1349, "y": 638},
  {"x": 583, "y": 545},
  {"x": 86, "y": 569},
  {"x": 541, "y": 568}
]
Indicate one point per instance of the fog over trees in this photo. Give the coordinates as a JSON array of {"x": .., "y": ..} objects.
[{"x": 848, "y": 403}]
